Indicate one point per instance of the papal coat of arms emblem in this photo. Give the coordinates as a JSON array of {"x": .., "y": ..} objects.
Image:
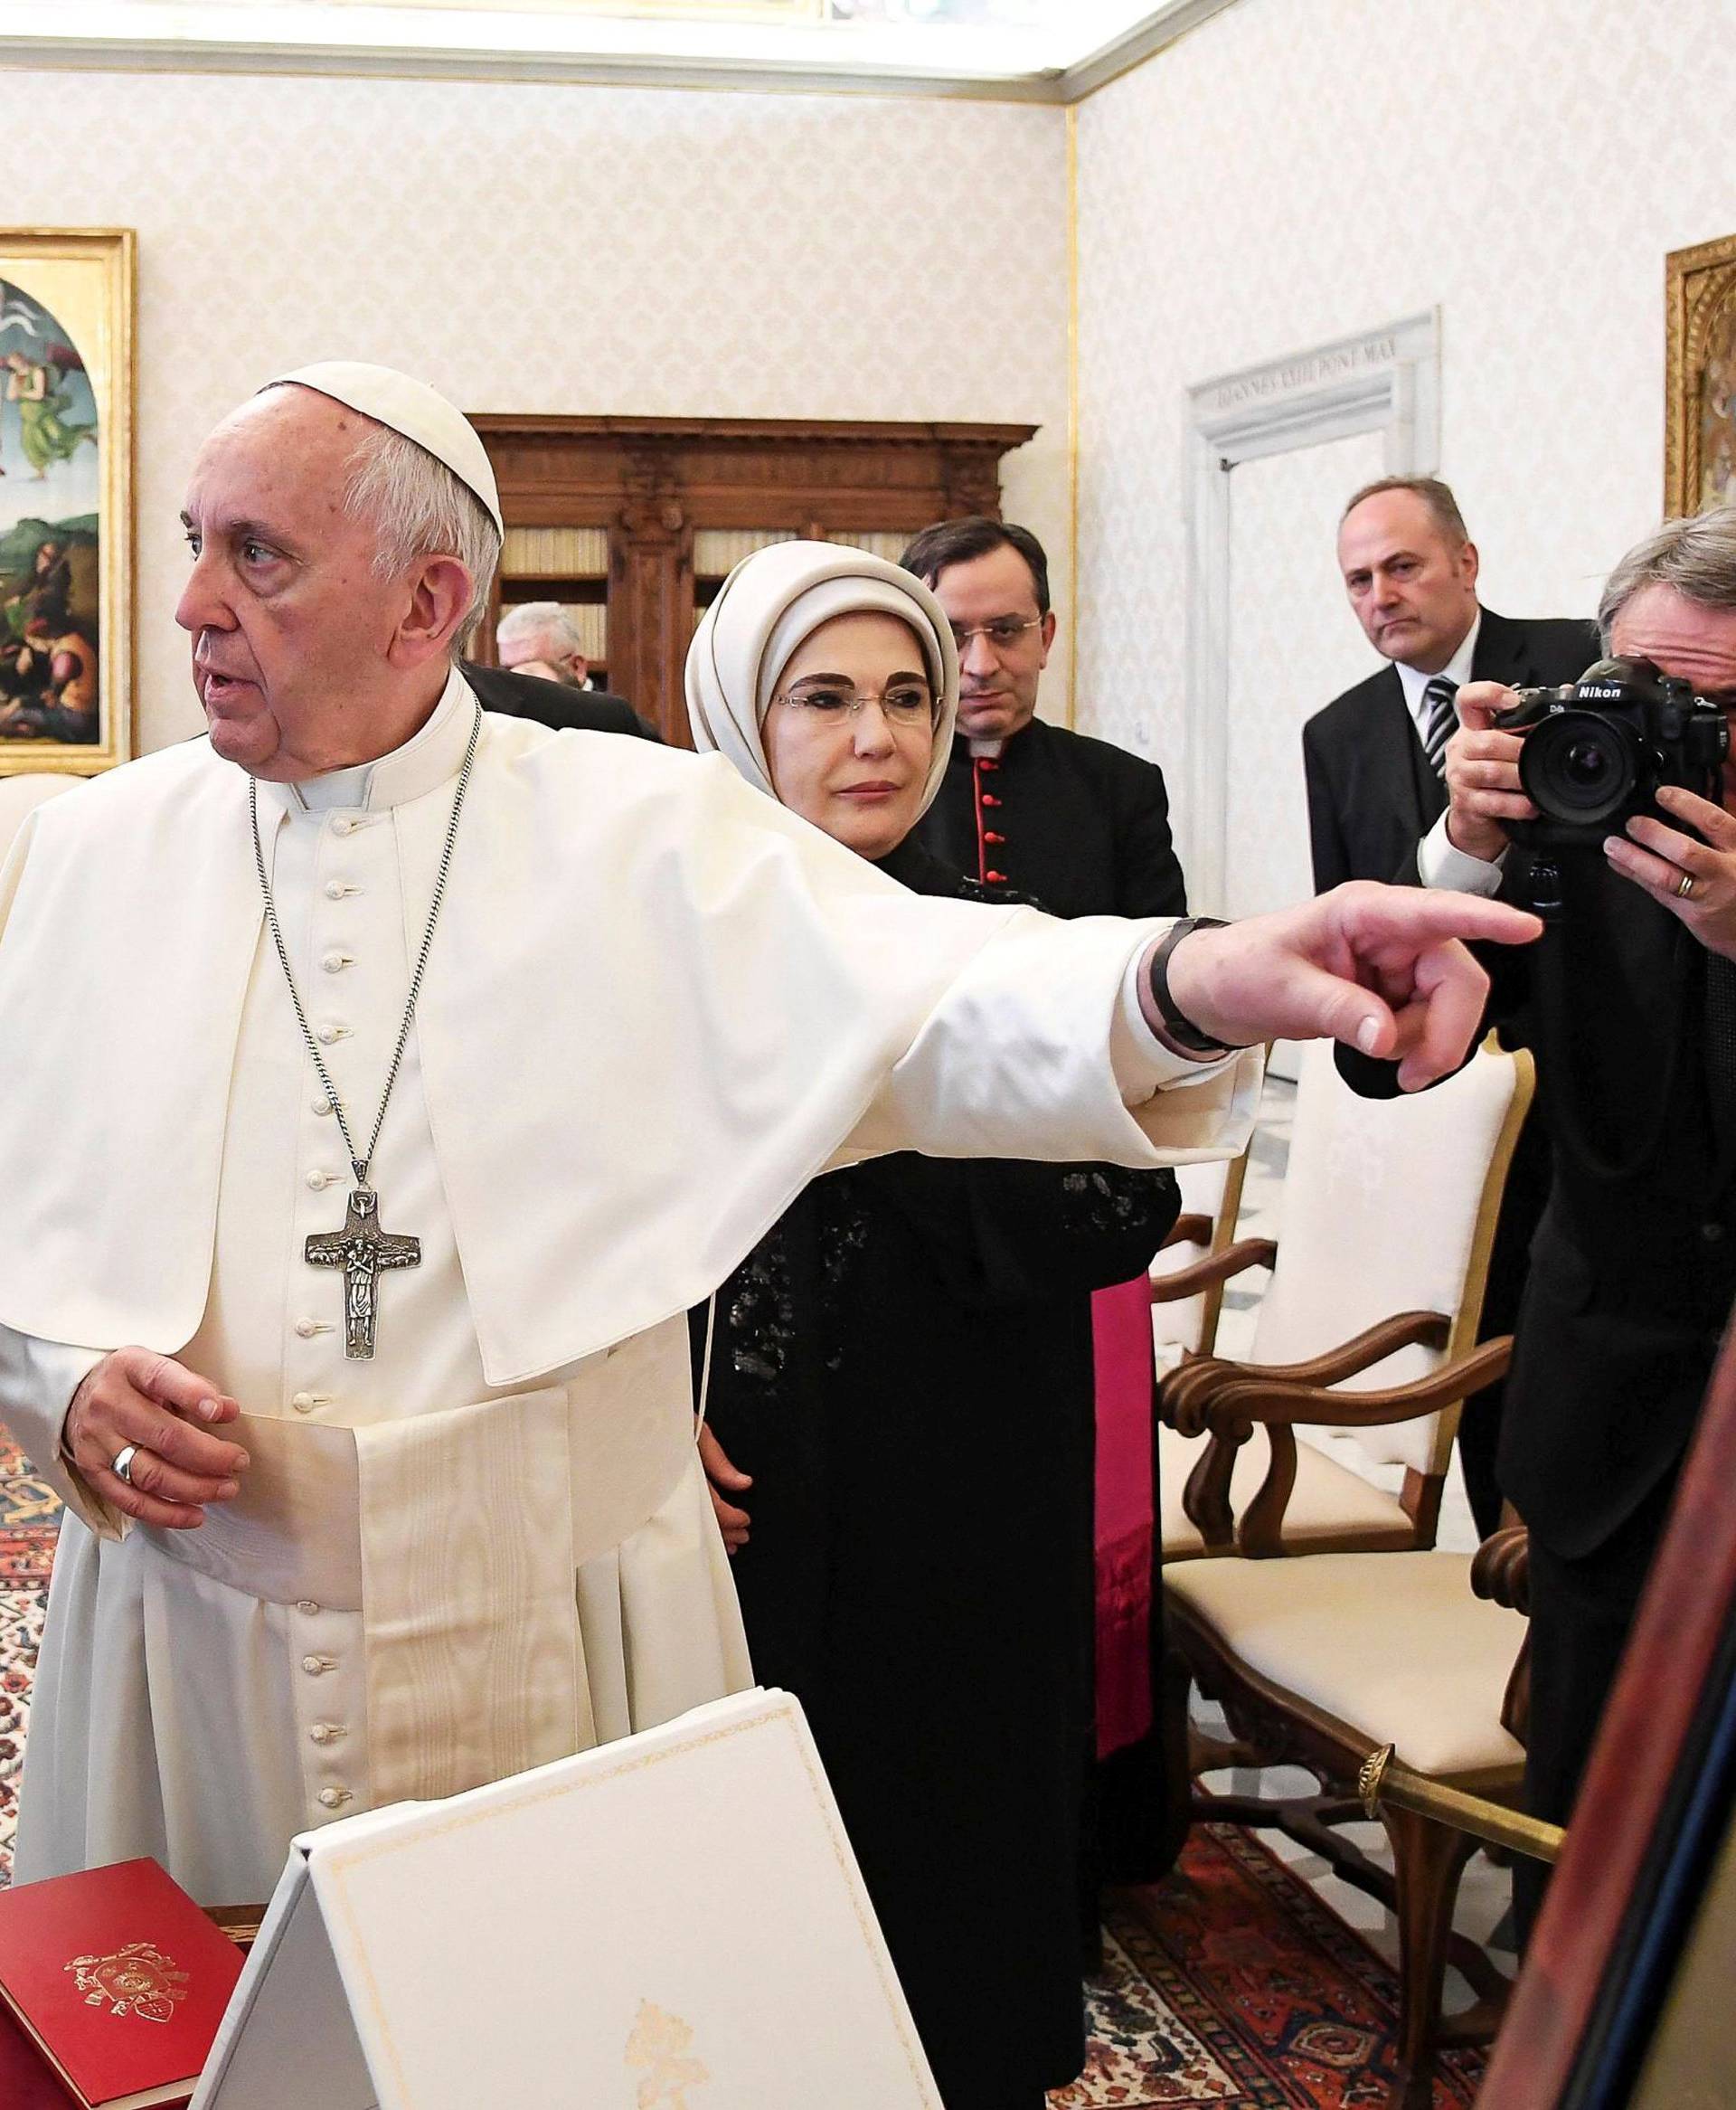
[
  {"x": 659, "y": 2044},
  {"x": 138, "y": 1980}
]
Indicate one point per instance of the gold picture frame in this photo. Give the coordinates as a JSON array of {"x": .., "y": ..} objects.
[
  {"x": 1700, "y": 406},
  {"x": 67, "y": 394}
]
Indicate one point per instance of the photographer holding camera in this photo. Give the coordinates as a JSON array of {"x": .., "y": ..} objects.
[{"x": 1629, "y": 1001}]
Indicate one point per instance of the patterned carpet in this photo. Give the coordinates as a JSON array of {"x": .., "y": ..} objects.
[
  {"x": 27, "y": 1512},
  {"x": 1232, "y": 1986}
]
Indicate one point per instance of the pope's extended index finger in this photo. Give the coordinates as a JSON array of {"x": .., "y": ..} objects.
[{"x": 1431, "y": 915}]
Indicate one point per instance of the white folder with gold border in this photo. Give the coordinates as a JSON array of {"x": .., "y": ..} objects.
[{"x": 672, "y": 1922}]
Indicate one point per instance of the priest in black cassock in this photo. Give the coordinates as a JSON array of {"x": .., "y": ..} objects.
[
  {"x": 1081, "y": 828},
  {"x": 1076, "y": 824}
]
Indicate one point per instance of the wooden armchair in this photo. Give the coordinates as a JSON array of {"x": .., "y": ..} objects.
[
  {"x": 1320, "y": 1662},
  {"x": 1370, "y": 1323},
  {"x": 1362, "y": 1636}
]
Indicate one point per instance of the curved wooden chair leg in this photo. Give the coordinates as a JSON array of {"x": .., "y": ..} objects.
[
  {"x": 1173, "y": 1685},
  {"x": 1428, "y": 1860}
]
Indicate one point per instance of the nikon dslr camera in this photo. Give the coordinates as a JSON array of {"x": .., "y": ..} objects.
[{"x": 1599, "y": 750}]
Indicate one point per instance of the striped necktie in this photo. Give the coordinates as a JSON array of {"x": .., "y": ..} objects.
[{"x": 1443, "y": 721}]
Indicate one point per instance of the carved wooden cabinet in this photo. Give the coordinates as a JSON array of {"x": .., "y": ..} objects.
[{"x": 633, "y": 522}]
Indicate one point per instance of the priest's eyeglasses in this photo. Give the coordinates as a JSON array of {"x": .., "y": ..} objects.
[
  {"x": 905, "y": 702},
  {"x": 1002, "y": 634}
]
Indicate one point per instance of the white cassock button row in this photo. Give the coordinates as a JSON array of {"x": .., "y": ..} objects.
[
  {"x": 336, "y": 890},
  {"x": 342, "y": 825},
  {"x": 327, "y": 1732},
  {"x": 330, "y": 1032},
  {"x": 321, "y": 1105},
  {"x": 315, "y": 1665},
  {"x": 306, "y": 1606},
  {"x": 335, "y": 963},
  {"x": 319, "y": 1181},
  {"x": 334, "y": 1797},
  {"x": 307, "y": 1328}
]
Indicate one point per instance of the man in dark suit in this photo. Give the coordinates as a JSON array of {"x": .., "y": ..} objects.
[
  {"x": 538, "y": 640},
  {"x": 1373, "y": 756},
  {"x": 1076, "y": 824},
  {"x": 1373, "y": 759},
  {"x": 1630, "y": 1002},
  {"x": 553, "y": 703}
]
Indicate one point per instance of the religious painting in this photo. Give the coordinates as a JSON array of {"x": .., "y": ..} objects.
[
  {"x": 1700, "y": 412},
  {"x": 66, "y": 517}
]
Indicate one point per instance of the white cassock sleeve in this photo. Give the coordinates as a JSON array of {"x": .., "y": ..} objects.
[
  {"x": 994, "y": 1074},
  {"x": 37, "y": 1381}
]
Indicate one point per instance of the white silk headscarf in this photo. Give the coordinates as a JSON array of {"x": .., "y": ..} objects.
[{"x": 763, "y": 610}]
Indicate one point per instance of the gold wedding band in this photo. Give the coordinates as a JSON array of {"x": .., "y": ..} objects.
[{"x": 1684, "y": 888}]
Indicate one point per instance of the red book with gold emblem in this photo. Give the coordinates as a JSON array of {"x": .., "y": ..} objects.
[{"x": 119, "y": 1979}]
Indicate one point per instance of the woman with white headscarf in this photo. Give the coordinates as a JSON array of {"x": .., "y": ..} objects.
[{"x": 900, "y": 1395}]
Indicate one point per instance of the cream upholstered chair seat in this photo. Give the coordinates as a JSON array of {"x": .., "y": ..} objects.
[
  {"x": 1418, "y": 1663},
  {"x": 1328, "y": 1505}
]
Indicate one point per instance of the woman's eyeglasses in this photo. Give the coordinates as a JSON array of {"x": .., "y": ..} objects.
[{"x": 905, "y": 704}]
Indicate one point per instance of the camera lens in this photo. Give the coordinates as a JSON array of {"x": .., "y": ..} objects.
[
  {"x": 1580, "y": 767},
  {"x": 1586, "y": 767}
]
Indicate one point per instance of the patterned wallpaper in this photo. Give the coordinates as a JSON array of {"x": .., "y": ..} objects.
[
  {"x": 1299, "y": 169},
  {"x": 565, "y": 249}
]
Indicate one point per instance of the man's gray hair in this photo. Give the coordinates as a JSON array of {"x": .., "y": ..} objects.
[
  {"x": 421, "y": 510},
  {"x": 544, "y": 623},
  {"x": 1695, "y": 557},
  {"x": 1435, "y": 494}
]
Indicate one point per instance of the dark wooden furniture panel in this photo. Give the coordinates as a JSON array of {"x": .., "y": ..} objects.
[{"x": 654, "y": 483}]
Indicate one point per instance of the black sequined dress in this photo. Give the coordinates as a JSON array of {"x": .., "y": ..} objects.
[{"x": 904, "y": 1366}]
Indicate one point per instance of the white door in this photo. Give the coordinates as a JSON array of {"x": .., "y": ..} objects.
[{"x": 1293, "y": 644}]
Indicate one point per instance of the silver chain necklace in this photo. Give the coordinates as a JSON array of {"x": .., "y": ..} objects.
[{"x": 361, "y": 1248}]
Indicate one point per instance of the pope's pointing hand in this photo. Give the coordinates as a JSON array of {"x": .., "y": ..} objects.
[
  {"x": 137, "y": 1397},
  {"x": 1380, "y": 968}
]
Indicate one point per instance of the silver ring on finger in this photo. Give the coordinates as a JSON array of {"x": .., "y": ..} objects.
[
  {"x": 1684, "y": 887},
  {"x": 123, "y": 1465}
]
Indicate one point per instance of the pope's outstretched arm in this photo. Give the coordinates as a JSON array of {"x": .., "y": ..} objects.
[{"x": 1383, "y": 969}]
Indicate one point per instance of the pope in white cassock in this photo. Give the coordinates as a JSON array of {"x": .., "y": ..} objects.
[{"x": 384, "y": 1080}]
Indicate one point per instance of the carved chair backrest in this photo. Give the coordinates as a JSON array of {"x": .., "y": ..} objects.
[
  {"x": 1388, "y": 1206},
  {"x": 1214, "y": 1192}
]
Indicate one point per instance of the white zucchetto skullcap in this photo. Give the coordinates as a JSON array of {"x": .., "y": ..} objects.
[{"x": 413, "y": 408}]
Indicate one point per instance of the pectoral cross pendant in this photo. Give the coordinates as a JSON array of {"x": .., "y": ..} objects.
[{"x": 363, "y": 1249}]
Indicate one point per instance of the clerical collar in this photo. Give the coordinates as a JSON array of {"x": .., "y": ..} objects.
[
  {"x": 427, "y": 760},
  {"x": 987, "y": 750}
]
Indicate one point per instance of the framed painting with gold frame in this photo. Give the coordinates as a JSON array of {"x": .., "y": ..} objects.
[
  {"x": 1699, "y": 409},
  {"x": 66, "y": 499}
]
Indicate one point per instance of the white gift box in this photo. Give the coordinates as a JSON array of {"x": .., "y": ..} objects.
[{"x": 672, "y": 1922}]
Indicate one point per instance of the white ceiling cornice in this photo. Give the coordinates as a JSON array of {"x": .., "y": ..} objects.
[{"x": 25, "y": 42}]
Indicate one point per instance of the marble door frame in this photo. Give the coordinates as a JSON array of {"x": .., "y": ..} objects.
[{"x": 1385, "y": 381}]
